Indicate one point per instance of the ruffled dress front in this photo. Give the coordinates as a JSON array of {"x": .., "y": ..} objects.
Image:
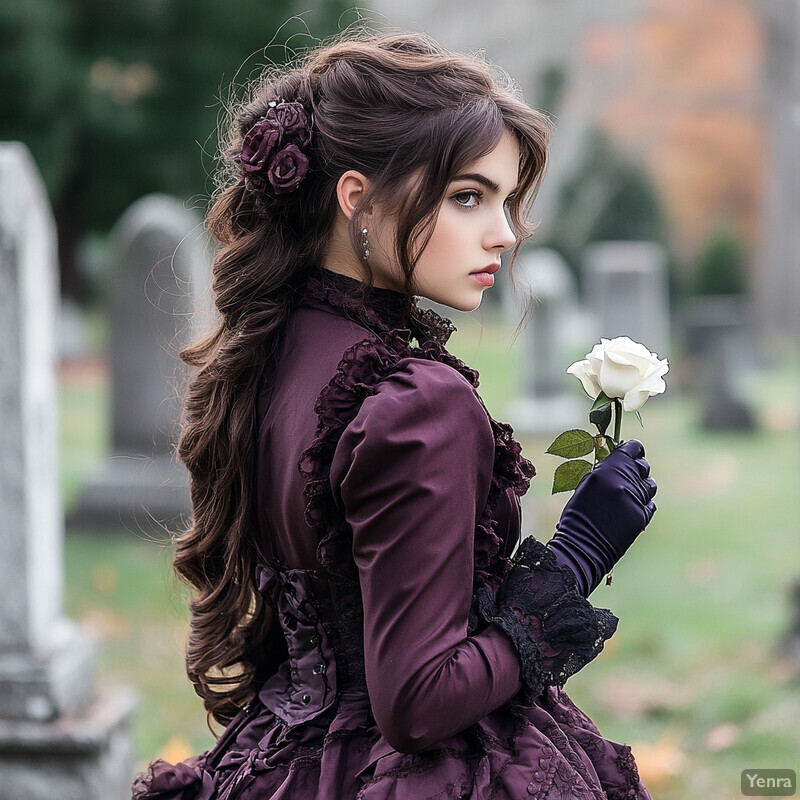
[{"x": 421, "y": 659}]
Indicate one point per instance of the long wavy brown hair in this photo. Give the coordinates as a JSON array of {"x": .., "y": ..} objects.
[{"x": 390, "y": 105}]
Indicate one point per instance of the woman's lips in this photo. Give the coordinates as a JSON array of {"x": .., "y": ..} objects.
[
  {"x": 486, "y": 276},
  {"x": 483, "y": 278}
]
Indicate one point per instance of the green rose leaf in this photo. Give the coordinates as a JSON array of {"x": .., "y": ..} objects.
[
  {"x": 569, "y": 474},
  {"x": 572, "y": 444}
]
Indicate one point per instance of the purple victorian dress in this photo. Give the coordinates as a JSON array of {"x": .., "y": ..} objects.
[{"x": 420, "y": 659}]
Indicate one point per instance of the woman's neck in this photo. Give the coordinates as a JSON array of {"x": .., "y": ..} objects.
[{"x": 339, "y": 256}]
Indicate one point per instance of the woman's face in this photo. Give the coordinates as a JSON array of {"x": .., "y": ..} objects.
[{"x": 471, "y": 231}]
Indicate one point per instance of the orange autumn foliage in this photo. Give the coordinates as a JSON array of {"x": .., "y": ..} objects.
[{"x": 680, "y": 87}]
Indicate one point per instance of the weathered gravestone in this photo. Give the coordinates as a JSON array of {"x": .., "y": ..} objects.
[
  {"x": 545, "y": 288},
  {"x": 158, "y": 282},
  {"x": 719, "y": 345},
  {"x": 57, "y": 737},
  {"x": 626, "y": 289}
]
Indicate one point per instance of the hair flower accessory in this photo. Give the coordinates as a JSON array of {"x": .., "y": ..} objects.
[{"x": 272, "y": 149}]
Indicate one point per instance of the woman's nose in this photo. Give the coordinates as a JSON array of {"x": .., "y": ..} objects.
[{"x": 501, "y": 235}]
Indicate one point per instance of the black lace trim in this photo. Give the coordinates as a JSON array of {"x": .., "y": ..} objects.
[
  {"x": 381, "y": 310},
  {"x": 372, "y": 306},
  {"x": 554, "y": 628},
  {"x": 626, "y": 764},
  {"x": 347, "y": 634}
]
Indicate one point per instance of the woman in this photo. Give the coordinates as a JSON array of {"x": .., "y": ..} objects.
[{"x": 359, "y": 623}]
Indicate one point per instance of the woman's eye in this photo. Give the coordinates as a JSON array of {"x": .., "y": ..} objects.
[{"x": 468, "y": 199}]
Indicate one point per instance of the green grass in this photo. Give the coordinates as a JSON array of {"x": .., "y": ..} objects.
[
  {"x": 691, "y": 679},
  {"x": 121, "y": 588}
]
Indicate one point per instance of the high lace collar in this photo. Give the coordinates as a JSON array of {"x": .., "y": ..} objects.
[{"x": 384, "y": 311}]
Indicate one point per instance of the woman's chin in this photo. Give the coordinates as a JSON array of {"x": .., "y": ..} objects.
[{"x": 463, "y": 303}]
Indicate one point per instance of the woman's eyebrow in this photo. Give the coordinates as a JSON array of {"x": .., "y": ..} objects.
[
  {"x": 478, "y": 178},
  {"x": 491, "y": 185}
]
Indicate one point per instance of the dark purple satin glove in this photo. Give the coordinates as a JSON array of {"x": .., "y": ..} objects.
[{"x": 611, "y": 506}]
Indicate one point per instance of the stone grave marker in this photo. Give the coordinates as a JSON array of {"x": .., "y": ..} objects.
[
  {"x": 719, "y": 343},
  {"x": 157, "y": 304},
  {"x": 58, "y": 737},
  {"x": 547, "y": 289},
  {"x": 627, "y": 291}
]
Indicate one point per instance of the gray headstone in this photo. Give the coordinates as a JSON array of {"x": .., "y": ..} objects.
[
  {"x": 71, "y": 338},
  {"x": 718, "y": 341},
  {"x": 46, "y": 665},
  {"x": 545, "y": 289},
  {"x": 157, "y": 293},
  {"x": 30, "y": 511},
  {"x": 626, "y": 289},
  {"x": 158, "y": 249}
]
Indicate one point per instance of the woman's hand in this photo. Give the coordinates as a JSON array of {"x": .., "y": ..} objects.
[{"x": 611, "y": 506}]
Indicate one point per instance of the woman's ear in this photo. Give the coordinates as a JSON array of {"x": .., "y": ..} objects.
[{"x": 350, "y": 191}]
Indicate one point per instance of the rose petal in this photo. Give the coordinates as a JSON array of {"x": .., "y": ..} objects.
[
  {"x": 626, "y": 345},
  {"x": 595, "y": 357},
  {"x": 617, "y": 379},
  {"x": 583, "y": 372},
  {"x": 650, "y": 385},
  {"x": 644, "y": 365},
  {"x": 288, "y": 168}
]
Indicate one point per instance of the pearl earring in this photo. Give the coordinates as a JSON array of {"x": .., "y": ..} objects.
[{"x": 364, "y": 244}]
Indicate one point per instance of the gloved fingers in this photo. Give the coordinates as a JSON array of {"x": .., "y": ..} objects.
[
  {"x": 652, "y": 488},
  {"x": 647, "y": 506},
  {"x": 644, "y": 467},
  {"x": 639, "y": 493},
  {"x": 634, "y": 448}
]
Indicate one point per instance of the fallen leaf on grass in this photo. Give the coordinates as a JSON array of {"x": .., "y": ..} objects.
[
  {"x": 175, "y": 750},
  {"x": 722, "y": 736},
  {"x": 784, "y": 669},
  {"x": 637, "y": 697},
  {"x": 714, "y": 476},
  {"x": 104, "y": 578},
  {"x": 660, "y": 761},
  {"x": 105, "y": 624}
]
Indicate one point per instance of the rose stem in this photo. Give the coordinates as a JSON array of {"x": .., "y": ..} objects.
[{"x": 617, "y": 421}]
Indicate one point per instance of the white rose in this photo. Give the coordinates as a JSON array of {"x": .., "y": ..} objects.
[{"x": 621, "y": 368}]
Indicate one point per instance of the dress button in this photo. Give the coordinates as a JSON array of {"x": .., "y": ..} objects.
[
  {"x": 319, "y": 669},
  {"x": 306, "y": 699}
]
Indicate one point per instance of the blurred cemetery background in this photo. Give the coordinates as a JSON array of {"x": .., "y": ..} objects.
[{"x": 670, "y": 213}]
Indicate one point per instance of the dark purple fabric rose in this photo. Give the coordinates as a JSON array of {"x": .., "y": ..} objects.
[
  {"x": 272, "y": 150},
  {"x": 293, "y": 120},
  {"x": 260, "y": 144},
  {"x": 288, "y": 168}
]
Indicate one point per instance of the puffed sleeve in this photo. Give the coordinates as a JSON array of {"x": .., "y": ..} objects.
[{"x": 412, "y": 472}]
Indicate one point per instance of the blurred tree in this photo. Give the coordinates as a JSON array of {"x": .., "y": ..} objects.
[
  {"x": 607, "y": 197},
  {"x": 38, "y": 76},
  {"x": 552, "y": 85},
  {"x": 721, "y": 264},
  {"x": 120, "y": 99}
]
